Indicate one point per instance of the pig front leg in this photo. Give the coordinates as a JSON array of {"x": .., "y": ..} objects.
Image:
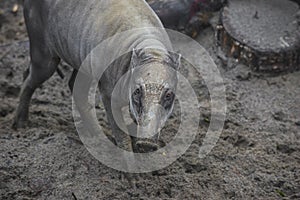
[
  {"x": 42, "y": 67},
  {"x": 122, "y": 139},
  {"x": 81, "y": 97}
]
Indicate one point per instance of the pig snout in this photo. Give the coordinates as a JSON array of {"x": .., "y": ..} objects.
[{"x": 148, "y": 130}]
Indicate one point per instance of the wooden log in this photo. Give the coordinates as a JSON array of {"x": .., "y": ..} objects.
[{"x": 263, "y": 34}]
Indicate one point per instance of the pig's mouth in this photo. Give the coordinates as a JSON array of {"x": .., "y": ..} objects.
[
  {"x": 147, "y": 146},
  {"x": 147, "y": 139},
  {"x": 148, "y": 128}
]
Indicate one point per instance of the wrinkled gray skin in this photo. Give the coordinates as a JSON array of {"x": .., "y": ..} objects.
[
  {"x": 70, "y": 29},
  {"x": 152, "y": 90}
]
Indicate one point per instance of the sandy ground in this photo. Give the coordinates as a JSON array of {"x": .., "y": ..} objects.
[{"x": 256, "y": 157}]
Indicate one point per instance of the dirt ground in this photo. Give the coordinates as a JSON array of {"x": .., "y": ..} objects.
[{"x": 256, "y": 157}]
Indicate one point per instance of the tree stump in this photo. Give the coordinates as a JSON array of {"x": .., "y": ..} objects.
[{"x": 262, "y": 34}]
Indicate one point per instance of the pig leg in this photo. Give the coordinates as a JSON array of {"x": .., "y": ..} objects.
[
  {"x": 72, "y": 80},
  {"x": 122, "y": 139},
  {"x": 85, "y": 109},
  {"x": 26, "y": 73},
  {"x": 42, "y": 67}
]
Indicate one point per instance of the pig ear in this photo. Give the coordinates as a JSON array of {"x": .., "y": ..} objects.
[
  {"x": 134, "y": 59},
  {"x": 176, "y": 60}
]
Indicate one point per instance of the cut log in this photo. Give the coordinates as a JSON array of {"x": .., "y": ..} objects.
[{"x": 263, "y": 34}]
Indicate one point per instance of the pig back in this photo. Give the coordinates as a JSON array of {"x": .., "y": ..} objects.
[{"x": 72, "y": 28}]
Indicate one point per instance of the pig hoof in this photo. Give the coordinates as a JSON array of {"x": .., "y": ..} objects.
[
  {"x": 146, "y": 146},
  {"x": 131, "y": 179},
  {"x": 19, "y": 124}
]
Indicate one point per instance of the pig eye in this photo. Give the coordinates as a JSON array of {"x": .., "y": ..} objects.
[
  {"x": 137, "y": 91},
  {"x": 167, "y": 100},
  {"x": 169, "y": 95},
  {"x": 137, "y": 94}
]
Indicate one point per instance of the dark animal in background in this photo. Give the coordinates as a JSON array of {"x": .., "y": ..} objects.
[{"x": 187, "y": 16}]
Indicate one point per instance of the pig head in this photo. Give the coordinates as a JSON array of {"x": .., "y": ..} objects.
[{"x": 152, "y": 88}]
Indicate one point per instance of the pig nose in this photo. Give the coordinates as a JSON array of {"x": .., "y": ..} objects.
[{"x": 150, "y": 124}]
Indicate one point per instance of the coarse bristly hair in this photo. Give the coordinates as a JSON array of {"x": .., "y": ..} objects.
[{"x": 148, "y": 55}]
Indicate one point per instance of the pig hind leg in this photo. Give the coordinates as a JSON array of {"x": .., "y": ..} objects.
[{"x": 42, "y": 67}]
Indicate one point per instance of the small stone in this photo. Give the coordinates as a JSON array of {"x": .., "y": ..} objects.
[
  {"x": 279, "y": 116},
  {"x": 284, "y": 148},
  {"x": 15, "y": 8}
]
